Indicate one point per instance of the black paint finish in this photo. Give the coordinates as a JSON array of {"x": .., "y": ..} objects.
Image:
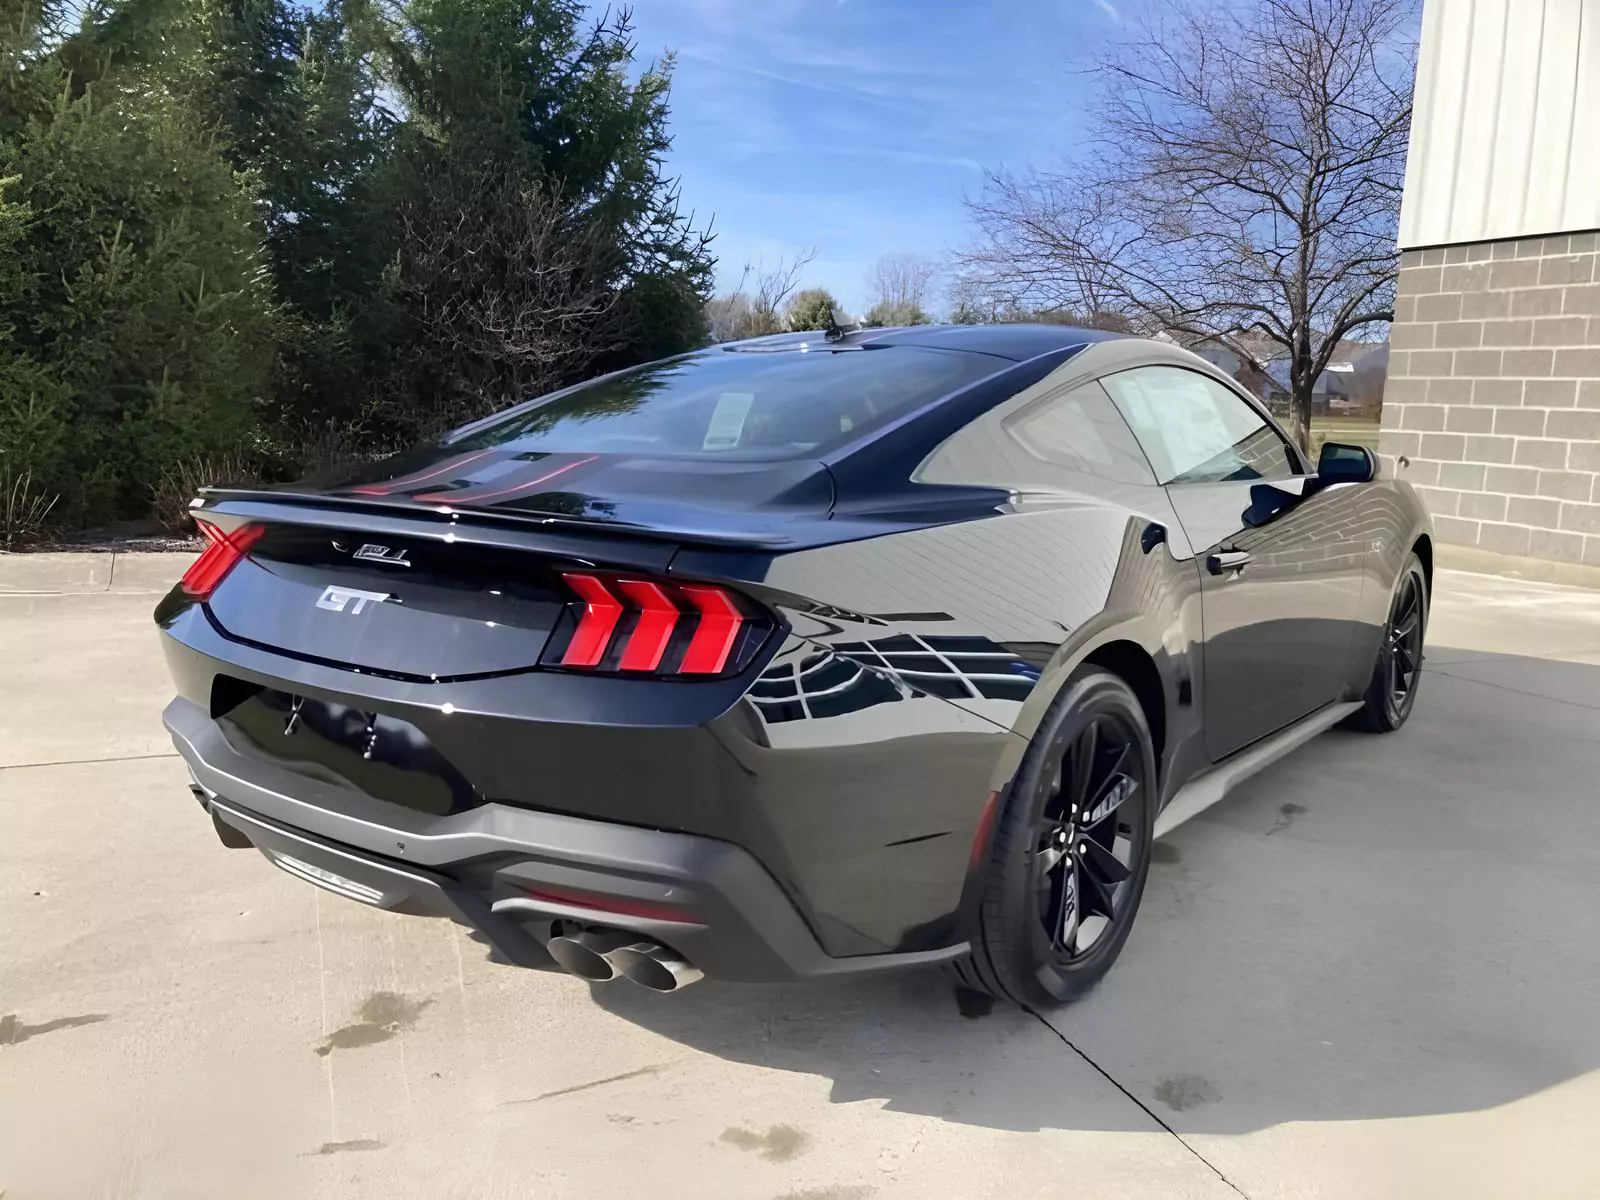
[{"x": 935, "y": 584}]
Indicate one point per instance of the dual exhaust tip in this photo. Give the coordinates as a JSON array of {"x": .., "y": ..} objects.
[{"x": 601, "y": 955}]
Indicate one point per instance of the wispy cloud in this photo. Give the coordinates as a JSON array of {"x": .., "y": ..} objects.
[
  {"x": 860, "y": 130},
  {"x": 1109, "y": 9}
]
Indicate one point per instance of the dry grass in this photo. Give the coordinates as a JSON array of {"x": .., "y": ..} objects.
[
  {"x": 180, "y": 483},
  {"x": 24, "y": 511},
  {"x": 1351, "y": 431},
  {"x": 335, "y": 450}
]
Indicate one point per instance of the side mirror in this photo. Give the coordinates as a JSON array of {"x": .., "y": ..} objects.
[
  {"x": 1340, "y": 463},
  {"x": 1267, "y": 504}
]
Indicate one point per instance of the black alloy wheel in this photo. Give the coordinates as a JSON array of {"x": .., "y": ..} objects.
[
  {"x": 1397, "y": 674},
  {"x": 1083, "y": 844},
  {"x": 1403, "y": 643},
  {"x": 1070, "y": 853}
]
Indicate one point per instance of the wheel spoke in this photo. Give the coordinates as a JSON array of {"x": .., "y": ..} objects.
[
  {"x": 1083, "y": 756},
  {"x": 1098, "y": 899},
  {"x": 1067, "y": 924},
  {"x": 1103, "y": 865},
  {"x": 1049, "y": 858},
  {"x": 1406, "y": 664},
  {"x": 1408, "y": 602},
  {"x": 1110, "y": 796}
]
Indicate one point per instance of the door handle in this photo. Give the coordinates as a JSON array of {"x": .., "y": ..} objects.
[{"x": 1227, "y": 560}]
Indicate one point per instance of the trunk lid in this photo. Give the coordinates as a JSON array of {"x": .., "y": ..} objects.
[
  {"x": 389, "y": 573},
  {"x": 415, "y": 608}
]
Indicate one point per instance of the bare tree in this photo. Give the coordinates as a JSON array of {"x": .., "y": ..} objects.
[
  {"x": 773, "y": 285},
  {"x": 513, "y": 289},
  {"x": 1245, "y": 176},
  {"x": 730, "y": 317},
  {"x": 755, "y": 307},
  {"x": 899, "y": 285}
]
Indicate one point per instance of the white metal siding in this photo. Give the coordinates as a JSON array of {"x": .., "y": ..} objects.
[{"x": 1505, "y": 139}]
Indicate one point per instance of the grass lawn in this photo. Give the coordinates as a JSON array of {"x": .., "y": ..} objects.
[{"x": 1353, "y": 431}]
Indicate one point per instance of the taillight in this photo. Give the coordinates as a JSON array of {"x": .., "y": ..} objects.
[
  {"x": 644, "y": 626},
  {"x": 220, "y": 556},
  {"x": 601, "y": 612}
]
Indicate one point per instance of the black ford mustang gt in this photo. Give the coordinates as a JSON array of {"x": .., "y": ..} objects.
[{"x": 796, "y": 657}]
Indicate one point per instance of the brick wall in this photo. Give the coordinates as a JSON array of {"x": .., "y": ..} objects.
[{"x": 1493, "y": 393}]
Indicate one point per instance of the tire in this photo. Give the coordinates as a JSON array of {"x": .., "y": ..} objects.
[
  {"x": 1386, "y": 705},
  {"x": 1025, "y": 888}
]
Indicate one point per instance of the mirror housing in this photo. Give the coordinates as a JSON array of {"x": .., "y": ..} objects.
[
  {"x": 1341, "y": 463},
  {"x": 1267, "y": 504}
]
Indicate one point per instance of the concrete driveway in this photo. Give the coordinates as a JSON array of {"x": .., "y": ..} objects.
[{"x": 1374, "y": 971}]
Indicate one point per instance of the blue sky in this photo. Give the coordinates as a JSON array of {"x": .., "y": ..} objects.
[{"x": 857, "y": 125}]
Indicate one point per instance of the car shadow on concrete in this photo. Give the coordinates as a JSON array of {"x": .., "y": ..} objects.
[{"x": 1378, "y": 926}]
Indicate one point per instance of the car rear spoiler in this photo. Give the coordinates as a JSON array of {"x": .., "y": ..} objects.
[{"x": 521, "y": 529}]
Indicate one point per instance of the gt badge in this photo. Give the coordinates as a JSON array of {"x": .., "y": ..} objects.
[{"x": 343, "y": 599}]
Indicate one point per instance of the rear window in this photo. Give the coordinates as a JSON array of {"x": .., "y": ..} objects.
[{"x": 745, "y": 404}]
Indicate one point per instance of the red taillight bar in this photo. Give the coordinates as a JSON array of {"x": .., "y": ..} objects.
[
  {"x": 601, "y": 613},
  {"x": 222, "y": 554},
  {"x": 658, "y": 616},
  {"x": 719, "y": 629},
  {"x": 718, "y": 620}
]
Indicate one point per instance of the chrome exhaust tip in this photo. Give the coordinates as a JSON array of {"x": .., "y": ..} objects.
[
  {"x": 655, "y": 967},
  {"x": 586, "y": 954}
]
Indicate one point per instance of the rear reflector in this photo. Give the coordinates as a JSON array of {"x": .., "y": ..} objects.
[
  {"x": 645, "y": 626},
  {"x": 619, "y": 906},
  {"x": 222, "y": 554},
  {"x": 980, "y": 837}
]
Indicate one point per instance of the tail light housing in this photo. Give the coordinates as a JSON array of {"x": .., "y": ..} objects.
[
  {"x": 632, "y": 626},
  {"x": 223, "y": 552}
]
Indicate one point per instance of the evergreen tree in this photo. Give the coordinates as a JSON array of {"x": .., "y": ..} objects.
[
  {"x": 241, "y": 226},
  {"x": 541, "y": 241},
  {"x": 136, "y": 318},
  {"x": 811, "y": 308}
]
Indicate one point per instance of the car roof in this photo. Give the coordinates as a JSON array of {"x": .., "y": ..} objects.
[{"x": 1016, "y": 342}]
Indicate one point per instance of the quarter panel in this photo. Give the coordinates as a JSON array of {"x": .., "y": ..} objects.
[
  {"x": 932, "y": 655},
  {"x": 1393, "y": 518},
  {"x": 872, "y": 788}
]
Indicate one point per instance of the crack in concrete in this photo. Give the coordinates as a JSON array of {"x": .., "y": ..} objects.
[
  {"x": 1143, "y": 1107},
  {"x": 584, "y": 1087},
  {"x": 1505, "y": 687},
  {"x": 84, "y": 762}
]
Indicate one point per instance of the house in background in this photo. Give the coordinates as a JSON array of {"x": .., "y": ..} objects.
[
  {"x": 1244, "y": 357},
  {"x": 1330, "y": 394},
  {"x": 1492, "y": 407},
  {"x": 1351, "y": 387}
]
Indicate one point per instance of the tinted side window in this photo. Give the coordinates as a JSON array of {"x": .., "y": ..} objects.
[
  {"x": 1082, "y": 431},
  {"x": 1195, "y": 430}
]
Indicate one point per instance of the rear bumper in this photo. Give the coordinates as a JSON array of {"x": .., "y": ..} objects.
[{"x": 508, "y": 872}]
